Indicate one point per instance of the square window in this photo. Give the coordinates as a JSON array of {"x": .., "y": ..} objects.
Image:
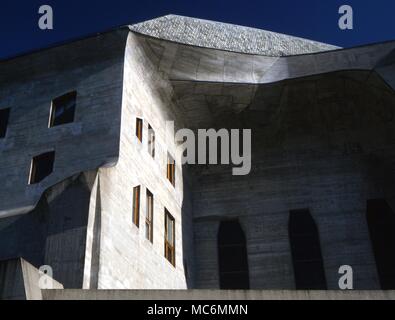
[
  {"x": 4, "y": 115},
  {"x": 41, "y": 167},
  {"x": 63, "y": 109}
]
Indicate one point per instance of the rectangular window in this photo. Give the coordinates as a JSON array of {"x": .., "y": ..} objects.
[
  {"x": 149, "y": 219},
  {"x": 63, "y": 109},
  {"x": 4, "y": 115},
  {"x": 151, "y": 141},
  {"x": 139, "y": 129},
  {"x": 41, "y": 167},
  {"x": 170, "y": 249},
  {"x": 171, "y": 169},
  {"x": 136, "y": 206}
]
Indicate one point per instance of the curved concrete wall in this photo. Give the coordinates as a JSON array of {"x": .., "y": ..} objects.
[{"x": 125, "y": 258}]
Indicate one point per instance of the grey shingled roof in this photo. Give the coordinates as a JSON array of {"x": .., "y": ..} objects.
[{"x": 224, "y": 36}]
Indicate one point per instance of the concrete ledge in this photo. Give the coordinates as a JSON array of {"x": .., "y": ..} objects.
[
  {"x": 77, "y": 294},
  {"x": 19, "y": 280}
]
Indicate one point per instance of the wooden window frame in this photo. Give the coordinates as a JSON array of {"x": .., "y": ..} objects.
[
  {"x": 171, "y": 169},
  {"x": 151, "y": 141},
  {"x": 149, "y": 218},
  {"x": 170, "y": 248},
  {"x": 139, "y": 129},
  {"x": 136, "y": 205}
]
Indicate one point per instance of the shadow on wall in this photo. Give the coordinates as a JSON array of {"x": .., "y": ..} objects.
[
  {"x": 323, "y": 142},
  {"x": 187, "y": 230},
  {"x": 54, "y": 233}
]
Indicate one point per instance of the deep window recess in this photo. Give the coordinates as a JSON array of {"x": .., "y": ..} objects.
[
  {"x": 41, "y": 167},
  {"x": 136, "y": 205},
  {"x": 4, "y": 116},
  {"x": 171, "y": 169},
  {"x": 151, "y": 141},
  {"x": 381, "y": 223},
  {"x": 306, "y": 251},
  {"x": 139, "y": 129},
  {"x": 149, "y": 219},
  {"x": 63, "y": 109},
  {"x": 170, "y": 249},
  {"x": 232, "y": 256}
]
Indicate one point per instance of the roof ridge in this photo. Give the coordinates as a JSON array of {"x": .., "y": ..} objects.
[{"x": 226, "y": 36}]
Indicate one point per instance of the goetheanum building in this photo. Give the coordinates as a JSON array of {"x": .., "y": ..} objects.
[{"x": 92, "y": 182}]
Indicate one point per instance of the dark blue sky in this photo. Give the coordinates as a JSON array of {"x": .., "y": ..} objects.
[{"x": 312, "y": 19}]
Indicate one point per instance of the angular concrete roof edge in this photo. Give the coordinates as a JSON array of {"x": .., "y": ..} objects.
[
  {"x": 227, "y": 36},
  {"x": 339, "y": 49}
]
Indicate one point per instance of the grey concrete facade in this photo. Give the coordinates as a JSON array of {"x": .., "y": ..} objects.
[
  {"x": 323, "y": 136},
  {"x": 19, "y": 280}
]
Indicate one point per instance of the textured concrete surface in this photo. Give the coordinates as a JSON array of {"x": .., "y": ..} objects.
[
  {"x": 19, "y": 280},
  {"x": 216, "y": 295},
  {"x": 94, "y": 68},
  {"x": 11, "y": 280},
  {"x": 54, "y": 233},
  {"x": 185, "y": 62},
  {"x": 323, "y": 142},
  {"x": 323, "y": 139},
  {"x": 127, "y": 258},
  {"x": 329, "y": 149}
]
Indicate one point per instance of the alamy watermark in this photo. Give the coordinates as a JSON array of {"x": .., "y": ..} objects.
[
  {"x": 346, "y": 20},
  {"x": 346, "y": 281},
  {"x": 202, "y": 148},
  {"x": 45, "y": 280},
  {"x": 45, "y": 22}
]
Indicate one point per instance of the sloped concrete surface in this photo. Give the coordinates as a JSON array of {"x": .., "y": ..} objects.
[{"x": 224, "y": 36}]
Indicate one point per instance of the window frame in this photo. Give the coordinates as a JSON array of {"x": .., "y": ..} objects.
[
  {"x": 170, "y": 248},
  {"x": 151, "y": 141},
  {"x": 139, "y": 129},
  {"x": 149, "y": 218},
  {"x": 171, "y": 169},
  {"x": 136, "y": 205}
]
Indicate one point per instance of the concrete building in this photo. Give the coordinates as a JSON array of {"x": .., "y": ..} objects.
[{"x": 90, "y": 189}]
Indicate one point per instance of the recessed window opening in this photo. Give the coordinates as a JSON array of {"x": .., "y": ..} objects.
[
  {"x": 136, "y": 206},
  {"x": 232, "y": 256},
  {"x": 63, "y": 109},
  {"x": 139, "y": 129},
  {"x": 170, "y": 249},
  {"x": 149, "y": 219},
  {"x": 306, "y": 251},
  {"x": 151, "y": 141},
  {"x": 41, "y": 167},
  {"x": 171, "y": 169},
  {"x": 4, "y": 116}
]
